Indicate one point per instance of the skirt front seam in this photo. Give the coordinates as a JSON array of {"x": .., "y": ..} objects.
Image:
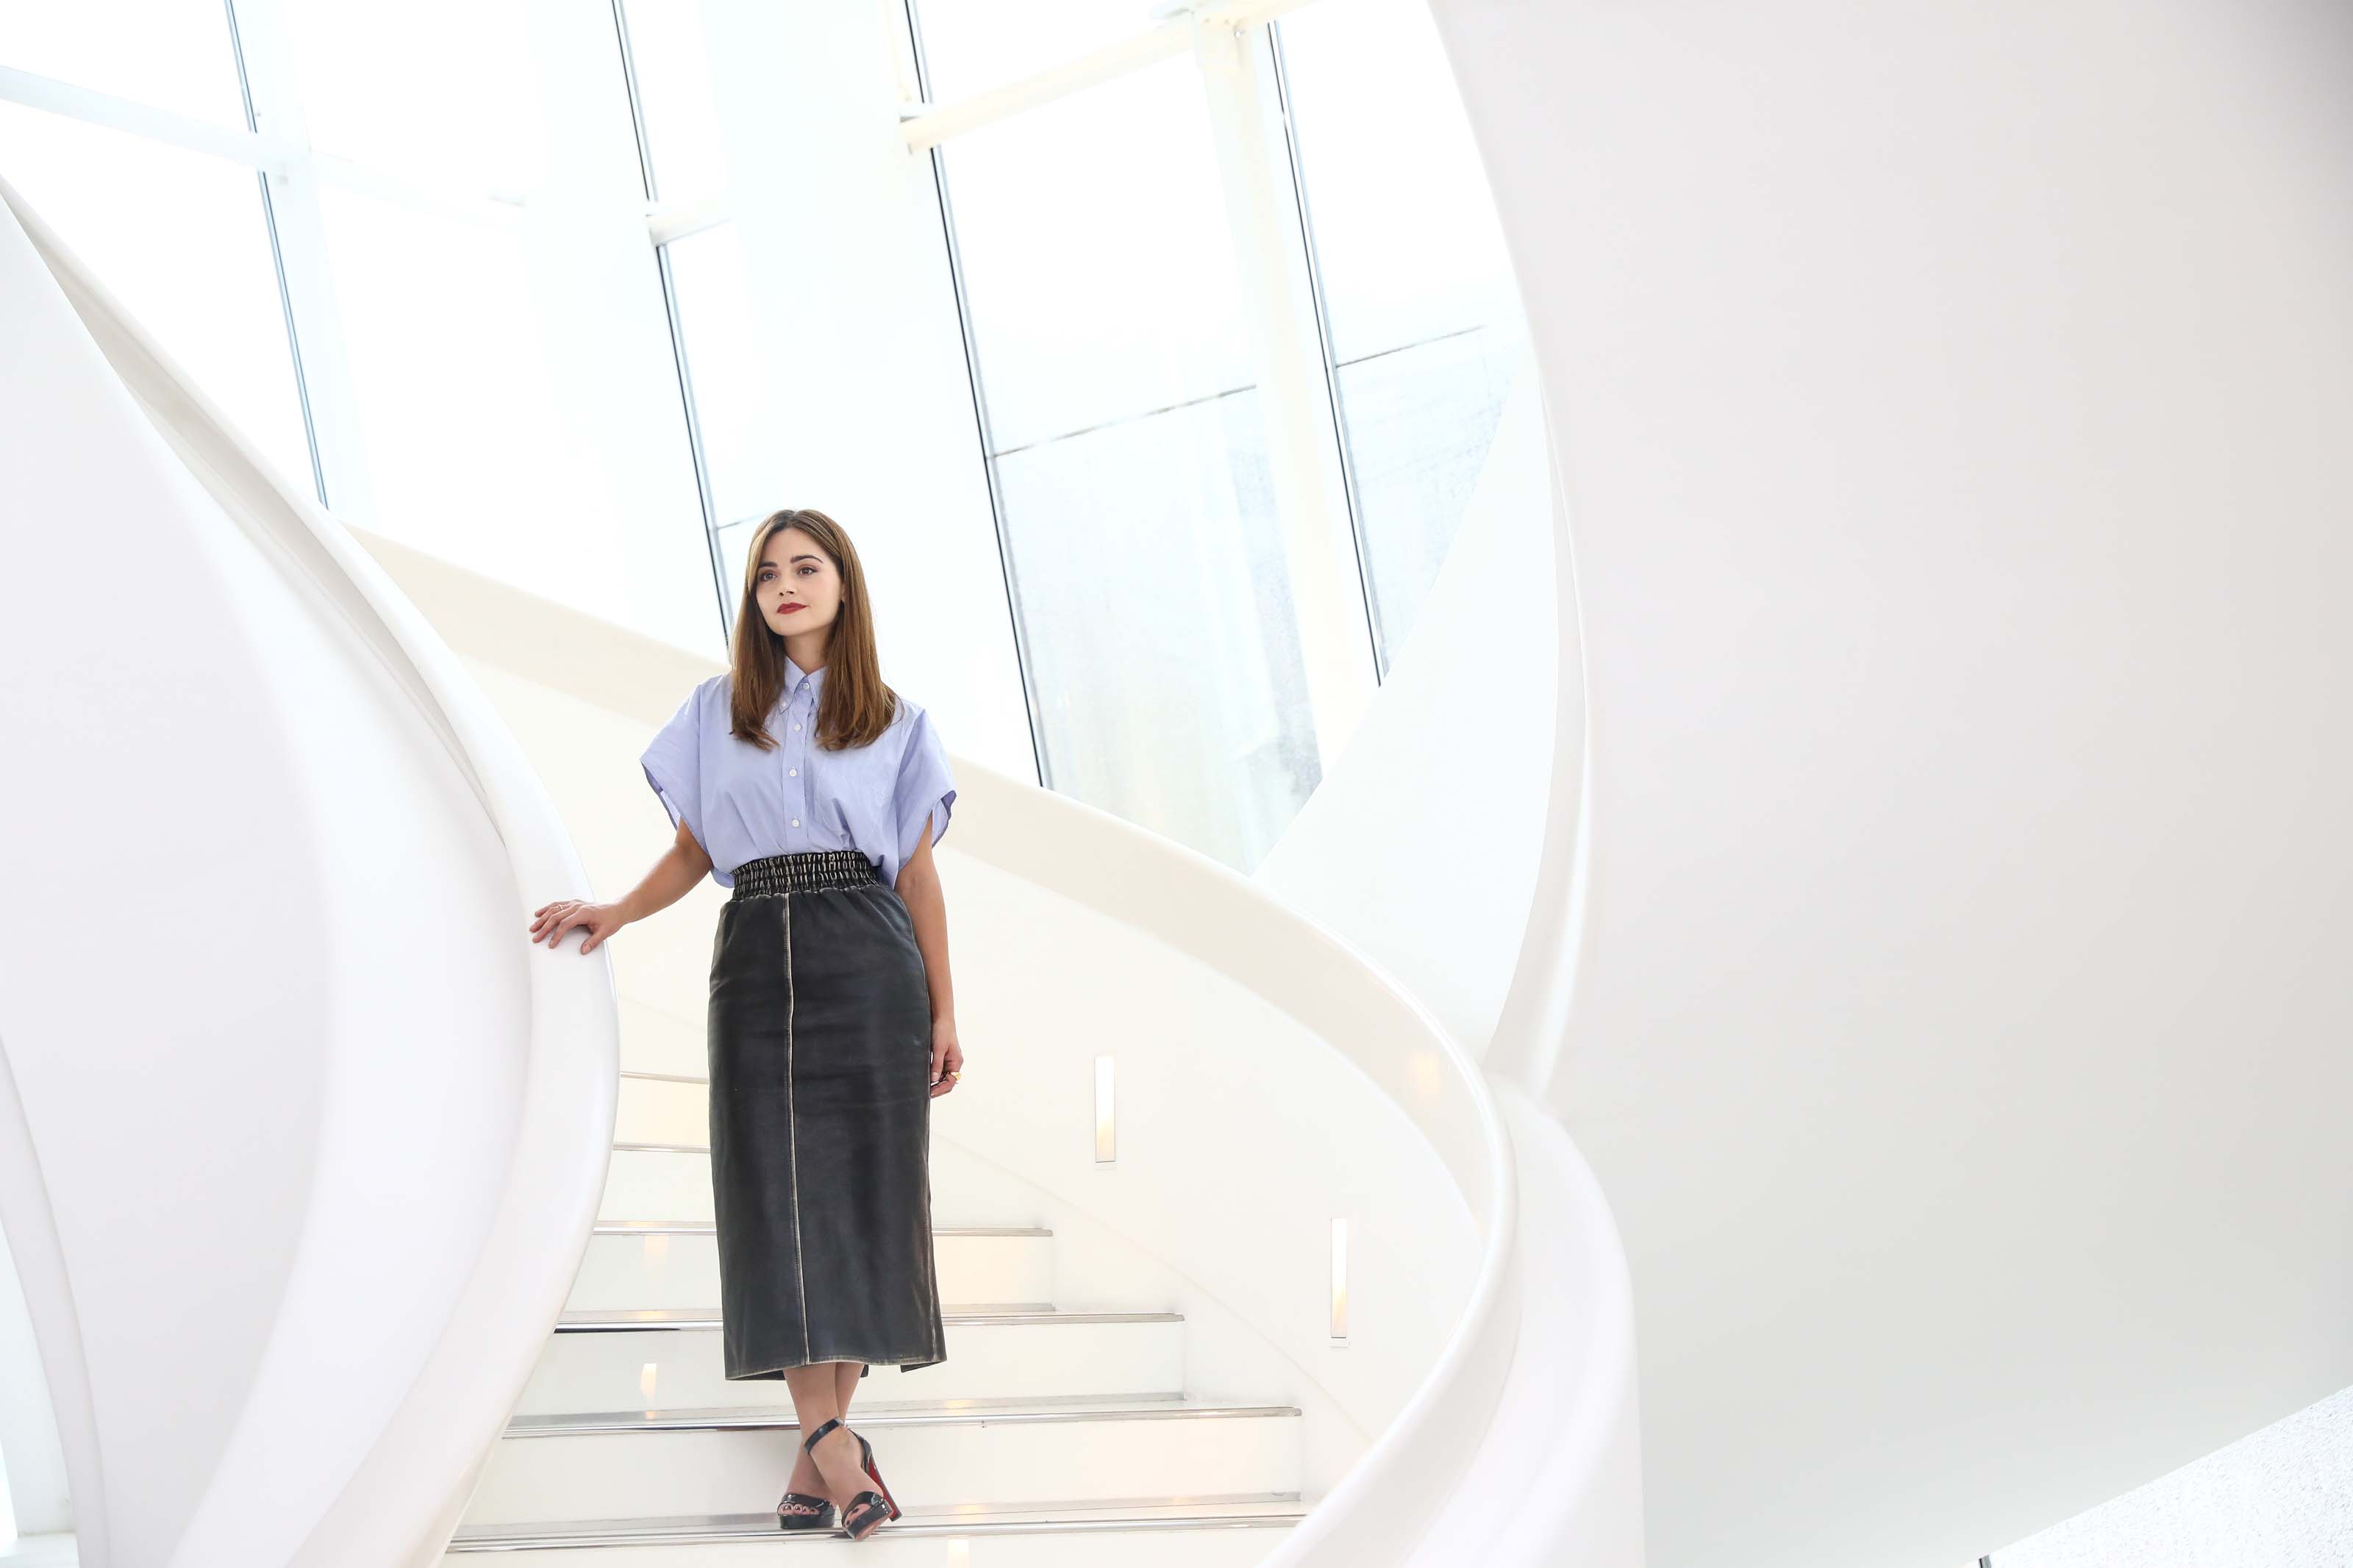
[{"x": 800, "y": 1258}]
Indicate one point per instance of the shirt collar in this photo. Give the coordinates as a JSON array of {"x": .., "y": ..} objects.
[{"x": 795, "y": 675}]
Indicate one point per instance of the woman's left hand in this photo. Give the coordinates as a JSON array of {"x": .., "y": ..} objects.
[{"x": 947, "y": 1056}]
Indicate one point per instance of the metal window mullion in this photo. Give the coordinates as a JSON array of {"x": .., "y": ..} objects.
[
  {"x": 1295, "y": 400},
  {"x": 637, "y": 103},
  {"x": 278, "y": 263},
  {"x": 1009, "y": 571},
  {"x": 724, "y": 591},
  {"x": 298, "y": 233},
  {"x": 1351, "y": 496}
]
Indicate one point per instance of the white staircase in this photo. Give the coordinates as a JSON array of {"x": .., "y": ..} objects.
[{"x": 1043, "y": 1432}]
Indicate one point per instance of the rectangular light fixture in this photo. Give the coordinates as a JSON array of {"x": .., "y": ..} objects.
[
  {"x": 1104, "y": 1149},
  {"x": 1339, "y": 1281}
]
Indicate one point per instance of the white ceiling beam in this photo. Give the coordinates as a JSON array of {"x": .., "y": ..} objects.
[
  {"x": 235, "y": 143},
  {"x": 925, "y": 126}
]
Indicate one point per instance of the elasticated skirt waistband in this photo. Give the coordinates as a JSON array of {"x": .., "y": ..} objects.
[{"x": 774, "y": 874}]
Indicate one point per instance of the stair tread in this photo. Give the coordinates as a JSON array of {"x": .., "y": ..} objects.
[
  {"x": 612, "y": 1319},
  {"x": 1261, "y": 1510},
  {"x": 929, "y": 1413},
  {"x": 708, "y": 1228}
]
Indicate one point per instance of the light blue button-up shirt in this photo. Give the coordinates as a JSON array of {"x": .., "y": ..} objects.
[{"x": 742, "y": 802}]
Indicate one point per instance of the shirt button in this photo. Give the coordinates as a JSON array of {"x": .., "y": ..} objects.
[
  {"x": 797, "y": 726},
  {"x": 795, "y": 771},
  {"x": 797, "y": 822}
]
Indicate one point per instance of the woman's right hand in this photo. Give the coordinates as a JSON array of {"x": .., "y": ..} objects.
[{"x": 599, "y": 921}]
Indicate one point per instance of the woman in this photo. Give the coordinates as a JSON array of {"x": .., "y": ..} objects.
[{"x": 831, "y": 1023}]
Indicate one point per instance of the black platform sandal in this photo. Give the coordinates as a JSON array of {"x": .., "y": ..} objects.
[
  {"x": 868, "y": 1509},
  {"x": 799, "y": 1511}
]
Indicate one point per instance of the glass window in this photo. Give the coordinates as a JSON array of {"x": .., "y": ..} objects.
[
  {"x": 457, "y": 413},
  {"x": 183, "y": 61},
  {"x": 724, "y": 370},
  {"x": 444, "y": 91},
  {"x": 735, "y": 543},
  {"x": 675, "y": 95},
  {"x": 1423, "y": 316},
  {"x": 179, "y": 238},
  {"x": 1148, "y": 576}
]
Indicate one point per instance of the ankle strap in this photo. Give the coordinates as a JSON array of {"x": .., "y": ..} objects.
[{"x": 810, "y": 1441}]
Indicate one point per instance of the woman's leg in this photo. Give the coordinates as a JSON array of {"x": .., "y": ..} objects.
[
  {"x": 836, "y": 1470},
  {"x": 849, "y": 1381}
]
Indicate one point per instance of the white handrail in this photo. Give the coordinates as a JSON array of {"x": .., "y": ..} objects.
[{"x": 403, "y": 1497}]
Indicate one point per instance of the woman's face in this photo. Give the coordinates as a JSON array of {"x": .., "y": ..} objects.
[{"x": 799, "y": 589}]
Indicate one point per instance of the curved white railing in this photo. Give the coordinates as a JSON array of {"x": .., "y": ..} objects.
[
  {"x": 1515, "y": 1424},
  {"x": 1380, "y": 1508},
  {"x": 383, "y": 1484},
  {"x": 1300, "y": 1084}
]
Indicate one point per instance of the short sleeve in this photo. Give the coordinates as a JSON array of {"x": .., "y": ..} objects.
[
  {"x": 925, "y": 787},
  {"x": 673, "y": 764}
]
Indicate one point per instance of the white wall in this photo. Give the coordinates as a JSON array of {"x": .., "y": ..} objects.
[{"x": 1952, "y": 403}]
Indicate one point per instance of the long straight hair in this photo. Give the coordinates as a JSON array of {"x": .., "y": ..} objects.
[{"x": 853, "y": 707}]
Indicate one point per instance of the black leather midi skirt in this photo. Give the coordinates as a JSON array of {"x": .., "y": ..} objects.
[{"x": 820, "y": 1047}]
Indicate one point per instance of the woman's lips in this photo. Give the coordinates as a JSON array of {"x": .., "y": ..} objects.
[{"x": 788, "y": 609}]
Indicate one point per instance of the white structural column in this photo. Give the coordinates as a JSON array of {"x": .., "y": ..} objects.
[{"x": 1295, "y": 398}]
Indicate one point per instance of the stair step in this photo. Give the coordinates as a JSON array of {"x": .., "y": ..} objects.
[
  {"x": 674, "y": 1262},
  {"x": 706, "y": 1228},
  {"x": 594, "y": 1467},
  {"x": 623, "y": 1320},
  {"x": 671, "y": 1358},
  {"x": 655, "y": 1179},
  {"x": 1157, "y": 1533},
  {"x": 874, "y": 1418},
  {"x": 869, "y": 1411}
]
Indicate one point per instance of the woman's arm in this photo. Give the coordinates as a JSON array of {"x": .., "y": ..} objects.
[
  {"x": 919, "y": 885},
  {"x": 682, "y": 865}
]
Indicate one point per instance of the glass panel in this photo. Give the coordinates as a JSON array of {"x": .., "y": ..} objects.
[
  {"x": 1150, "y": 581},
  {"x": 179, "y": 239},
  {"x": 442, "y": 90},
  {"x": 971, "y": 46},
  {"x": 1156, "y": 604},
  {"x": 1098, "y": 273},
  {"x": 464, "y": 452},
  {"x": 733, "y": 541},
  {"x": 1420, "y": 422},
  {"x": 183, "y": 61},
  {"x": 1425, "y": 321},
  {"x": 723, "y": 366},
  {"x": 674, "y": 92}
]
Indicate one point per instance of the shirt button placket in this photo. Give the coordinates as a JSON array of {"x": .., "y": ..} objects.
[{"x": 794, "y": 750}]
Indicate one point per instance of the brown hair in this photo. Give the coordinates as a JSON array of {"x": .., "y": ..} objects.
[{"x": 854, "y": 706}]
